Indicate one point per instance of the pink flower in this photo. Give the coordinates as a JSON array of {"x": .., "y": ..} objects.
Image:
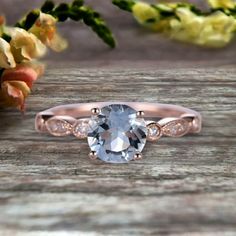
[{"x": 16, "y": 84}]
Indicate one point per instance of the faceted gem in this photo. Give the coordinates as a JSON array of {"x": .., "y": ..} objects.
[
  {"x": 117, "y": 134},
  {"x": 58, "y": 127},
  {"x": 176, "y": 128},
  {"x": 153, "y": 132},
  {"x": 80, "y": 129}
]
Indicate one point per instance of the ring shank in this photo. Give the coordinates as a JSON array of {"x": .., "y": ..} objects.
[{"x": 151, "y": 110}]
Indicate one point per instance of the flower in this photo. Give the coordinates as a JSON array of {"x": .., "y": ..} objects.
[
  {"x": 25, "y": 45},
  {"x": 6, "y": 57},
  {"x": 222, "y": 3},
  {"x": 45, "y": 29},
  {"x": 26, "y": 72},
  {"x": 215, "y": 30},
  {"x": 13, "y": 94},
  {"x": 144, "y": 13},
  {"x": 16, "y": 84}
]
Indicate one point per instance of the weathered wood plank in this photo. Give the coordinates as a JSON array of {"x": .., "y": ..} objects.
[{"x": 182, "y": 186}]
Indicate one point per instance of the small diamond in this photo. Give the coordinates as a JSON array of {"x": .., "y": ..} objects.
[
  {"x": 153, "y": 132},
  {"x": 80, "y": 130},
  {"x": 176, "y": 128},
  {"x": 58, "y": 127}
]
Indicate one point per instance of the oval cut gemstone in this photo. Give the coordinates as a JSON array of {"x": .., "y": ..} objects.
[{"x": 117, "y": 134}]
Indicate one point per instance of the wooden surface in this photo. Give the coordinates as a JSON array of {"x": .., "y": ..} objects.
[{"x": 185, "y": 186}]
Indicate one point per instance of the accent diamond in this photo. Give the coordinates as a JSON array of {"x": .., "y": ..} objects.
[
  {"x": 80, "y": 129},
  {"x": 154, "y": 132},
  {"x": 116, "y": 134},
  {"x": 176, "y": 128},
  {"x": 58, "y": 127}
]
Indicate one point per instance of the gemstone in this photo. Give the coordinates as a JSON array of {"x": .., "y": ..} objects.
[
  {"x": 80, "y": 129},
  {"x": 153, "y": 131},
  {"x": 117, "y": 134},
  {"x": 58, "y": 127},
  {"x": 176, "y": 128}
]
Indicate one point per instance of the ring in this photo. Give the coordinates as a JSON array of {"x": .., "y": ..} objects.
[{"x": 117, "y": 131}]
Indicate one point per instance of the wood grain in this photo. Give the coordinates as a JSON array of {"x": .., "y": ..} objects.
[{"x": 184, "y": 186}]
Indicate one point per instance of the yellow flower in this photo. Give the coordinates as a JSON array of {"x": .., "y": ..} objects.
[
  {"x": 215, "y": 30},
  {"x": 45, "y": 29},
  {"x": 222, "y": 3},
  {"x": 25, "y": 45},
  {"x": 144, "y": 13},
  {"x": 218, "y": 30},
  {"x": 6, "y": 57}
]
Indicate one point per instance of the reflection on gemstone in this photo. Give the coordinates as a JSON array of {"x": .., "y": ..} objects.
[{"x": 116, "y": 134}]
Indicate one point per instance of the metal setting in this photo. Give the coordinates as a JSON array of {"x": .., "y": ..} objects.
[
  {"x": 140, "y": 114},
  {"x": 117, "y": 131},
  {"x": 92, "y": 155},
  {"x": 138, "y": 156},
  {"x": 154, "y": 131},
  {"x": 95, "y": 111}
]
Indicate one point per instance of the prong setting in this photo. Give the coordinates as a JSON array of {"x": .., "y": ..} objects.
[
  {"x": 154, "y": 131},
  {"x": 92, "y": 155},
  {"x": 140, "y": 114},
  {"x": 95, "y": 111},
  {"x": 138, "y": 156}
]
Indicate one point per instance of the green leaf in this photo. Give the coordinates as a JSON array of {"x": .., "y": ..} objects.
[
  {"x": 47, "y": 6},
  {"x": 75, "y": 14},
  {"x": 124, "y": 4},
  {"x": 62, "y": 12},
  {"x": 97, "y": 24},
  {"x": 6, "y": 37},
  {"x": 77, "y": 3},
  {"x": 30, "y": 19}
]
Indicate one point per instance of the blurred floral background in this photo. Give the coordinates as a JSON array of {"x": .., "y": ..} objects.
[
  {"x": 36, "y": 29},
  {"x": 134, "y": 42}
]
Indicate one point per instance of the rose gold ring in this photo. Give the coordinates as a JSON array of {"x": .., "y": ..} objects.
[{"x": 117, "y": 131}]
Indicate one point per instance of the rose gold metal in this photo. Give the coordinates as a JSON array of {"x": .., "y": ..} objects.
[
  {"x": 138, "y": 156},
  {"x": 95, "y": 111},
  {"x": 93, "y": 155},
  {"x": 175, "y": 127},
  {"x": 140, "y": 114},
  {"x": 66, "y": 122},
  {"x": 155, "y": 112}
]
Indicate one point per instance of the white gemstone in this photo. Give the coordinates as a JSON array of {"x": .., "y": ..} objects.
[
  {"x": 80, "y": 129},
  {"x": 58, "y": 127},
  {"x": 176, "y": 128},
  {"x": 154, "y": 132}
]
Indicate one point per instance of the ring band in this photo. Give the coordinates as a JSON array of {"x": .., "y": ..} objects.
[{"x": 117, "y": 131}]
